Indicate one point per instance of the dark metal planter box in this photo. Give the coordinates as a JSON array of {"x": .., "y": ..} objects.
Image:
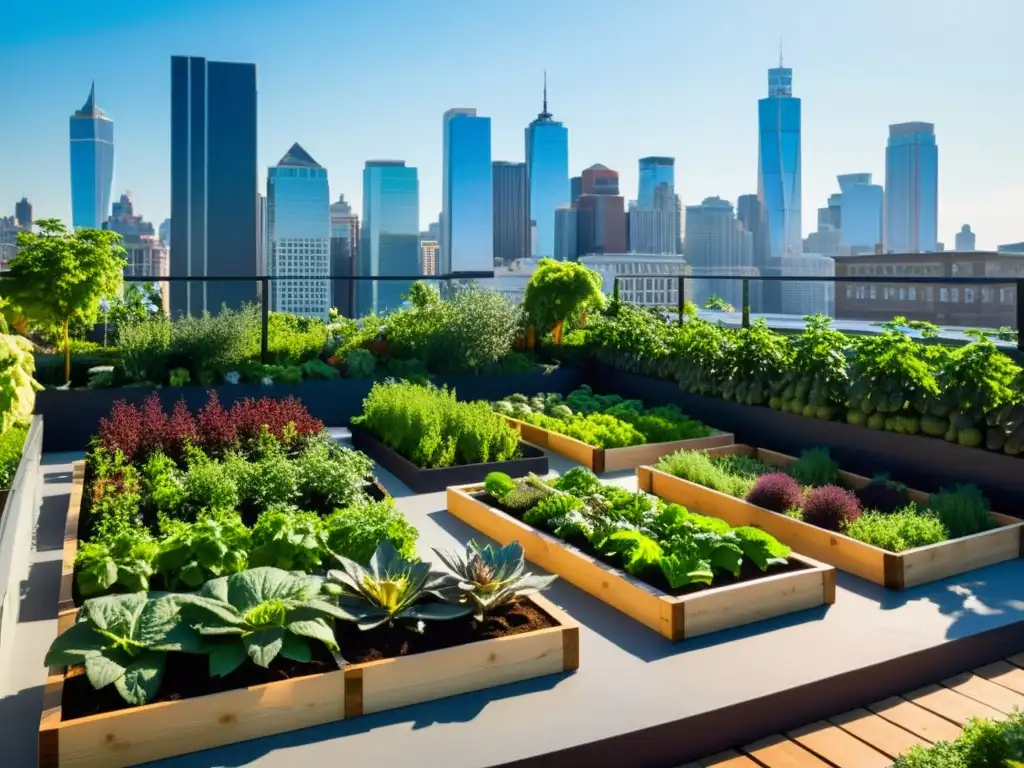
[
  {"x": 76, "y": 413},
  {"x": 421, "y": 480},
  {"x": 921, "y": 462}
]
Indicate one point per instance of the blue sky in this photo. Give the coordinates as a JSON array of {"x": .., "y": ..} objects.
[{"x": 353, "y": 80}]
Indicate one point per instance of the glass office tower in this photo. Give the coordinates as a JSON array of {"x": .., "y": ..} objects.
[
  {"x": 214, "y": 197},
  {"x": 547, "y": 170},
  {"x": 92, "y": 164},
  {"x": 390, "y": 234},
  {"x": 299, "y": 234},
  {"x": 911, "y": 189},
  {"x": 467, "y": 204},
  {"x": 511, "y": 212},
  {"x": 654, "y": 171},
  {"x": 861, "y": 205},
  {"x": 778, "y": 164}
]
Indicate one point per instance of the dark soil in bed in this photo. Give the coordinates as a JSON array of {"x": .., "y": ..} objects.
[{"x": 654, "y": 577}]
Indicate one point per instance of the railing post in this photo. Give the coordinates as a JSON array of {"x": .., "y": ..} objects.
[
  {"x": 746, "y": 303},
  {"x": 681, "y": 299},
  {"x": 1020, "y": 315},
  {"x": 264, "y": 319}
]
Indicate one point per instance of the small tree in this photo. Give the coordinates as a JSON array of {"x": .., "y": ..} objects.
[
  {"x": 59, "y": 275},
  {"x": 560, "y": 291}
]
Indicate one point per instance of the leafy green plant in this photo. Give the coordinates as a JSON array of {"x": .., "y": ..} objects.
[
  {"x": 491, "y": 578},
  {"x": 817, "y": 379},
  {"x": 330, "y": 476},
  {"x": 897, "y": 531},
  {"x": 815, "y": 467},
  {"x": 963, "y": 510},
  {"x": 120, "y": 559},
  {"x": 17, "y": 387},
  {"x": 163, "y": 485},
  {"x": 291, "y": 340},
  {"x": 288, "y": 538},
  {"x": 216, "y": 544},
  {"x": 579, "y": 481},
  {"x": 560, "y": 291},
  {"x": 268, "y": 481},
  {"x": 431, "y": 428},
  {"x": 317, "y": 370},
  {"x": 260, "y": 614},
  {"x": 982, "y": 744},
  {"x": 392, "y": 589},
  {"x": 698, "y": 467},
  {"x": 123, "y": 640},
  {"x": 702, "y": 354},
  {"x": 360, "y": 363},
  {"x": 180, "y": 377},
  {"x": 718, "y": 304},
  {"x": 356, "y": 532},
  {"x": 209, "y": 484},
  {"x": 754, "y": 360},
  {"x": 12, "y": 441}
]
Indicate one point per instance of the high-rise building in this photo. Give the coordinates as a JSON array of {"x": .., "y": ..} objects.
[
  {"x": 213, "y": 183},
  {"x": 717, "y": 242},
  {"x": 467, "y": 212},
  {"x": 511, "y": 212},
  {"x": 92, "y": 164},
  {"x": 390, "y": 234},
  {"x": 262, "y": 246},
  {"x": 299, "y": 235},
  {"x": 600, "y": 224},
  {"x": 9, "y": 229},
  {"x": 652, "y": 231},
  {"x": 861, "y": 213},
  {"x": 575, "y": 189},
  {"x": 803, "y": 298},
  {"x": 429, "y": 250},
  {"x": 547, "y": 169},
  {"x": 23, "y": 213},
  {"x": 965, "y": 239},
  {"x": 911, "y": 222},
  {"x": 599, "y": 180},
  {"x": 344, "y": 256},
  {"x": 566, "y": 237},
  {"x": 654, "y": 171},
  {"x": 164, "y": 232},
  {"x": 778, "y": 178},
  {"x": 145, "y": 254},
  {"x": 433, "y": 231}
]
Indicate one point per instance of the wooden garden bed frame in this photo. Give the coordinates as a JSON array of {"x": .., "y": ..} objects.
[
  {"x": 676, "y": 618},
  {"x": 612, "y": 459},
  {"x": 892, "y": 570},
  {"x": 131, "y": 736}
]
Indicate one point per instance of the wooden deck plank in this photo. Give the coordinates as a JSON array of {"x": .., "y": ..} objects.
[
  {"x": 838, "y": 747},
  {"x": 1017, "y": 659},
  {"x": 881, "y": 734},
  {"x": 916, "y": 720},
  {"x": 952, "y": 705},
  {"x": 985, "y": 691},
  {"x": 728, "y": 759},
  {"x": 780, "y": 752},
  {"x": 1005, "y": 674}
]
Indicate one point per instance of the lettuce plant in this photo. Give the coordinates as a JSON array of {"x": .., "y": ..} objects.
[
  {"x": 393, "y": 589},
  {"x": 124, "y": 640},
  {"x": 491, "y": 578},
  {"x": 288, "y": 538},
  {"x": 121, "y": 557},
  {"x": 260, "y": 614},
  {"x": 216, "y": 544}
]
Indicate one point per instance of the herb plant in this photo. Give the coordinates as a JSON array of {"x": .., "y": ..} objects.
[
  {"x": 897, "y": 531},
  {"x": 216, "y": 544},
  {"x": 356, "y": 532},
  {"x": 963, "y": 510},
  {"x": 288, "y": 538},
  {"x": 815, "y": 467}
]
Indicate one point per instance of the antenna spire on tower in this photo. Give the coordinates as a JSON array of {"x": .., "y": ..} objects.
[
  {"x": 545, "y": 91},
  {"x": 780, "y": 51}
]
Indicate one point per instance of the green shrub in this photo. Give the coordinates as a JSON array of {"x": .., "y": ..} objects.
[
  {"x": 700, "y": 468},
  {"x": 291, "y": 340},
  {"x": 355, "y": 532},
  {"x": 982, "y": 744},
  {"x": 471, "y": 333},
  {"x": 431, "y": 428},
  {"x": 50, "y": 367},
  {"x": 145, "y": 347},
  {"x": 964, "y": 510},
  {"x": 17, "y": 387},
  {"x": 211, "y": 345},
  {"x": 209, "y": 484},
  {"x": 815, "y": 468},
  {"x": 331, "y": 477},
  {"x": 897, "y": 531},
  {"x": 271, "y": 480},
  {"x": 360, "y": 363},
  {"x": 11, "y": 443}
]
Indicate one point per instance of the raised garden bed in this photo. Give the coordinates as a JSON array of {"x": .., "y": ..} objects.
[
  {"x": 126, "y": 737},
  {"x": 421, "y": 480},
  {"x": 893, "y": 570},
  {"x": 805, "y": 584}
]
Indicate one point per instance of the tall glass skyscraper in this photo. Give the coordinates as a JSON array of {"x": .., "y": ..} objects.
[
  {"x": 92, "y": 164},
  {"x": 778, "y": 164},
  {"x": 390, "y": 234},
  {"x": 911, "y": 189},
  {"x": 547, "y": 169},
  {"x": 654, "y": 171},
  {"x": 299, "y": 234},
  {"x": 467, "y": 210},
  {"x": 214, "y": 200}
]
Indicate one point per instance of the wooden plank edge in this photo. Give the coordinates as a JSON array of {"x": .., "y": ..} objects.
[{"x": 65, "y": 597}]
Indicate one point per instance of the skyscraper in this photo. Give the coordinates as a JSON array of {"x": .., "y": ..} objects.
[
  {"x": 599, "y": 180},
  {"x": 390, "y": 235},
  {"x": 654, "y": 171},
  {"x": 861, "y": 212},
  {"x": 467, "y": 211},
  {"x": 965, "y": 239},
  {"x": 213, "y": 183},
  {"x": 92, "y": 164},
  {"x": 23, "y": 213},
  {"x": 344, "y": 256},
  {"x": 547, "y": 168},
  {"x": 299, "y": 234},
  {"x": 717, "y": 242},
  {"x": 511, "y": 212},
  {"x": 566, "y": 238},
  {"x": 911, "y": 189},
  {"x": 575, "y": 189}
]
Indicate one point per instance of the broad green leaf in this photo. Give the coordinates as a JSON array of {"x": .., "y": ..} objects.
[
  {"x": 258, "y": 585},
  {"x": 727, "y": 557},
  {"x": 173, "y": 555},
  {"x": 315, "y": 608},
  {"x": 210, "y": 552},
  {"x": 135, "y": 575},
  {"x": 162, "y": 628},
  {"x": 226, "y": 658},
  {"x": 74, "y": 645},
  {"x": 102, "y": 670},
  {"x": 263, "y": 646},
  {"x": 141, "y": 680},
  {"x": 117, "y": 614},
  {"x": 296, "y": 649},
  {"x": 318, "y": 629},
  {"x": 191, "y": 574}
]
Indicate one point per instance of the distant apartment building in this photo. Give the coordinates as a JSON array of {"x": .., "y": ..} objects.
[
  {"x": 429, "y": 252},
  {"x": 802, "y": 298},
  {"x": 23, "y": 213},
  {"x": 965, "y": 239},
  {"x": 645, "y": 279},
  {"x": 717, "y": 242},
  {"x": 987, "y": 306},
  {"x": 9, "y": 229},
  {"x": 299, "y": 235},
  {"x": 861, "y": 206},
  {"x": 145, "y": 254},
  {"x": 344, "y": 256},
  {"x": 1010, "y": 248}
]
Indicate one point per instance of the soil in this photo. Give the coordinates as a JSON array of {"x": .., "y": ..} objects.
[
  {"x": 654, "y": 577},
  {"x": 388, "y": 643},
  {"x": 185, "y": 677}
]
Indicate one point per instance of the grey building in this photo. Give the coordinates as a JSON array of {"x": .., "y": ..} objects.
[
  {"x": 23, "y": 213},
  {"x": 566, "y": 234},
  {"x": 344, "y": 256},
  {"x": 511, "y": 212},
  {"x": 965, "y": 239},
  {"x": 213, "y": 183},
  {"x": 717, "y": 242}
]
